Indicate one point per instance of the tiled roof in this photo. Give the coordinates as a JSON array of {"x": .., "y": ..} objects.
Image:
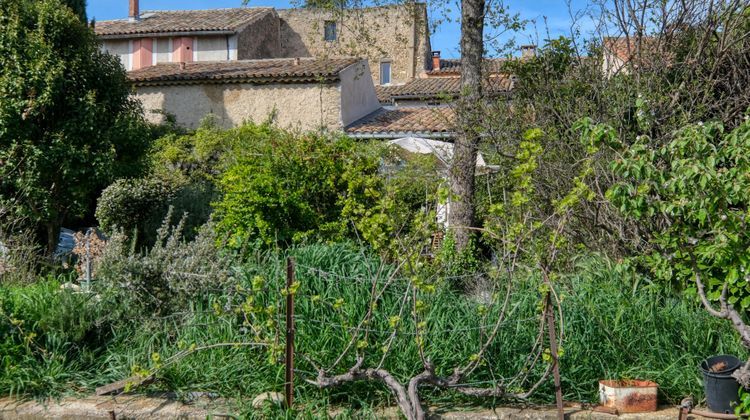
[
  {"x": 306, "y": 70},
  {"x": 437, "y": 88},
  {"x": 453, "y": 66},
  {"x": 393, "y": 122},
  {"x": 626, "y": 48},
  {"x": 181, "y": 21}
]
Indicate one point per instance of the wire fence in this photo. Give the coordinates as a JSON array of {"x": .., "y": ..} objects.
[{"x": 228, "y": 312}]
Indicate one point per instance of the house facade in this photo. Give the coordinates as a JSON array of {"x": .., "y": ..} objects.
[
  {"x": 304, "y": 94},
  {"x": 395, "y": 39}
]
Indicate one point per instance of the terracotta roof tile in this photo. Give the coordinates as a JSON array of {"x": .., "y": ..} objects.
[
  {"x": 453, "y": 66},
  {"x": 405, "y": 121},
  {"x": 308, "y": 70},
  {"x": 182, "y": 21},
  {"x": 437, "y": 88},
  {"x": 626, "y": 49}
]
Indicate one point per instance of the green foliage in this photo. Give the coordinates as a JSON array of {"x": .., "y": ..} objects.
[
  {"x": 696, "y": 191},
  {"x": 744, "y": 406},
  {"x": 166, "y": 276},
  {"x": 285, "y": 187},
  {"x": 138, "y": 206},
  {"x": 66, "y": 120},
  {"x": 49, "y": 337},
  {"x": 617, "y": 324},
  {"x": 78, "y": 7}
]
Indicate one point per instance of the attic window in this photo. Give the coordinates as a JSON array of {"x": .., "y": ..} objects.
[{"x": 330, "y": 30}]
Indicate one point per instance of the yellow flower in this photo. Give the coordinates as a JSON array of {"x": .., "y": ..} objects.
[{"x": 338, "y": 304}]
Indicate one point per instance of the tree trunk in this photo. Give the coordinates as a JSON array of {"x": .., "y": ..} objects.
[
  {"x": 53, "y": 231},
  {"x": 468, "y": 110}
]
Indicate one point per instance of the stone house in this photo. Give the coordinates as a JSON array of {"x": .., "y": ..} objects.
[
  {"x": 394, "y": 38},
  {"x": 300, "y": 93}
]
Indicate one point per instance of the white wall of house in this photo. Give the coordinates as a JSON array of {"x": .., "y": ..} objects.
[
  {"x": 163, "y": 50},
  {"x": 358, "y": 96},
  {"x": 211, "y": 48},
  {"x": 121, "y": 48}
]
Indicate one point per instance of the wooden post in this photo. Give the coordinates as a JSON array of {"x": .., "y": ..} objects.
[
  {"x": 289, "y": 360},
  {"x": 550, "y": 315}
]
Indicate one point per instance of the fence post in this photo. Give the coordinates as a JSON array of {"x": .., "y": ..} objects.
[
  {"x": 549, "y": 313},
  {"x": 289, "y": 360}
]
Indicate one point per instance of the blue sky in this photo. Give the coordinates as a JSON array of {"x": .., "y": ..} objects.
[{"x": 445, "y": 38}]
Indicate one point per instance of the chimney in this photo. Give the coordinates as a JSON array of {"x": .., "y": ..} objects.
[
  {"x": 296, "y": 61},
  {"x": 134, "y": 13},
  {"x": 436, "y": 60},
  {"x": 528, "y": 51}
]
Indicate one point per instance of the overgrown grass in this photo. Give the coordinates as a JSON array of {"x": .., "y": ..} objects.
[{"x": 616, "y": 326}]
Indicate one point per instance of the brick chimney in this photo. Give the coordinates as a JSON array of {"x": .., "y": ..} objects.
[
  {"x": 134, "y": 13},
  {"x": 436, "y": 60},
  {"x": 528, "y": 51}
]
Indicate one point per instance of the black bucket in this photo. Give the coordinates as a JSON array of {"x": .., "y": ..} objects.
[{"x": 721, "y": 388}]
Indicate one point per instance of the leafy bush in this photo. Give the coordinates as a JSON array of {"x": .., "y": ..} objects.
[
  {"x": 138, "y": 206},
  {"x": 167, "y": 276},
  {"x": 695, "y": 191},
  {"x": 283, "y": 187},
  {"x": 20, "y": 255},
  {"x": 67, "y": 123}
]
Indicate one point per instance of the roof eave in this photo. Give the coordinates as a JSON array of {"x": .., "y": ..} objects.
[
  {"x": 164, "y": 34},
  {"x": 252, "y": 81},
  {"x": 401, "y": 134}
]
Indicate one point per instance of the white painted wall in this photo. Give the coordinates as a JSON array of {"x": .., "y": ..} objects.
[
  {"x": 358, "y": 96},
  {"x": 121, "y": 48},
  {"x": 211, "y": 48},
  {"x": 163, "y": 50}
]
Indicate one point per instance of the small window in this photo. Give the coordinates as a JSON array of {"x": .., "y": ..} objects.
[
  {"x": 330, "y": 30},
  {"x": 385, "y": 72}
]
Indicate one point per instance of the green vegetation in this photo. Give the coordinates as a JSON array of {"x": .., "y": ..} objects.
[
  {"x": 697, "y": 186},
  {"x": 67, "y": 124},
  {"x": 617, "y": 325},
  {"x": 593, "y": 168}
]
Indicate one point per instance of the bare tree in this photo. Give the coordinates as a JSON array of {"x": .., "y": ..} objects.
[{"x": 469, "y": 117}]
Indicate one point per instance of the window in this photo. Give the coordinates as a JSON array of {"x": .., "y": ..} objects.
[
  {"x": 385, "y": 72},
  {"x": 330, "y": 30}
]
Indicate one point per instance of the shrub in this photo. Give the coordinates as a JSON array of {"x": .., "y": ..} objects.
[
  {"x": 132, "y": 204},
  {"x": 166, "y": 276},
  {"x": 284, "y": 188},
  {"x": 19, "y": 255},
  {"x": 138, "y": 206}
]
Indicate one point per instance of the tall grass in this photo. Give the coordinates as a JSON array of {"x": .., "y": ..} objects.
[{"x": 615, "y": 327}]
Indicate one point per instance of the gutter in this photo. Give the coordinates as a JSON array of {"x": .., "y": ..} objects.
[
  {"x": 250, "y": 81},
  {"x": 386, "y": 135},
  {"x": 163, "y": 34}
]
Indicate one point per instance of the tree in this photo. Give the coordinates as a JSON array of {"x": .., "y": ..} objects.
[
  {"x": 67, "y": 124},
  {"x": 469, "y": 116},
  {"x": 78, "y": 7}
]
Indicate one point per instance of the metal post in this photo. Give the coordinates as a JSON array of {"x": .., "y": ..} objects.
[
  {"x": 88, "y": 261},
  {"x": 550, "y": 315},
  {"x": 289, "y": 360}
]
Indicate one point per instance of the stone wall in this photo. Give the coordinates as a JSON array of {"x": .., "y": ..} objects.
[
  {"x": 395, "y": 33},
  {"x": 260, "y": 39},
  {"x": 294, "y": 106}
]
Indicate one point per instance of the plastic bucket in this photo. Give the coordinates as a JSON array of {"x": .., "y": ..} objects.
[{"x": 721, "y": 388}]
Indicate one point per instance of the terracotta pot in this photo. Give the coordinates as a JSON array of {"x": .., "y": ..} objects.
[{"x": 629, "y": 396}]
